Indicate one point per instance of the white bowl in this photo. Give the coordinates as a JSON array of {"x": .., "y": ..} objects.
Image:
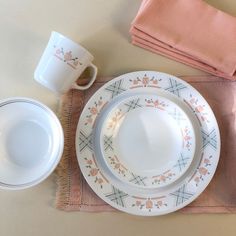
[
  {"x": 31, "y": 142},
  {"x": 147, "y": 141}
]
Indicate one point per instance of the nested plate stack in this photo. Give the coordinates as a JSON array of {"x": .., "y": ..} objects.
[{"x": 147, "y": 143}]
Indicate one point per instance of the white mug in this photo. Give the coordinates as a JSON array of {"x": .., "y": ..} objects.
[{"x": 62, "y": 63}]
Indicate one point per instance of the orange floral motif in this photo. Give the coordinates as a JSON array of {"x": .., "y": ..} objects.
[
  {"x": 67, "y": 57},
  {"x": 198, "y": 108},
  {"x": 117, "y": 166},
  {"x": 162, "y": 178},
  {"x": 100, "y": 102},
  {"x": 114, "y": 161},
  {"x": 94, "y": 172},
  {"x": 114, "y": 120},
  {"x": 89, "y": 162},
  {"x": 202, "y": 170},
  {"x": 100, "y": 180},
  {"x": 207, "y": 161},
  {"x": 94, "y": 111},
  {"x": 155, "y": 81},
  {"x": 156, "y": 103},
  {"x": 138, "y": 203},
  {"x": 150, "y": 203},
  {"x": 197, "y": 179},
  {"x": 135, "y": 82},
  {"x": 187, "y": 138},
  {"x": 76, "y": 63},
  {"x": 89, "y": 120},
  {"x": 145, "y": 81}
]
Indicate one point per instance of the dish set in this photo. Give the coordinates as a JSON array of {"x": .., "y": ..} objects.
[{"x": 147, "y": 142}]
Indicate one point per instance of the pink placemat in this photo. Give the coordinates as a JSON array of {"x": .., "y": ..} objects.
[{"x": 74, "y": 194}]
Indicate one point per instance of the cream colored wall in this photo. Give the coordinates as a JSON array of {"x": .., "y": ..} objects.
[{"x": 101, "y": 26}]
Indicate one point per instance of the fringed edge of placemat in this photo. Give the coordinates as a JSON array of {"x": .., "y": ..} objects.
[{"x": 62, "y": 177}]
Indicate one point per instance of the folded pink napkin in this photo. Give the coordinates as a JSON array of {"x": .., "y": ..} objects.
[{"x": 189, "y": 31}]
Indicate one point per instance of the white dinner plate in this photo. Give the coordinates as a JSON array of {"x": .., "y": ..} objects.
[{"x": 134, "y": 198}]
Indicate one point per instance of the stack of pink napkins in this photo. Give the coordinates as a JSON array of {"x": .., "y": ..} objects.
[{"x": 189, "y": 31}]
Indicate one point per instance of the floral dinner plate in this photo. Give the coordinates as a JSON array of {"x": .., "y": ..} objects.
[{"x": 91, "y": 143}]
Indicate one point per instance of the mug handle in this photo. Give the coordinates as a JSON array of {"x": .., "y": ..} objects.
[{"x": 94, "y": 75}]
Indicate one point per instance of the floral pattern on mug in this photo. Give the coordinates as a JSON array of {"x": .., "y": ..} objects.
[{"x": 67, "y": 57}]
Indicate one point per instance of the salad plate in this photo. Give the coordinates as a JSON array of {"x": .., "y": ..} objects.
[
  {"x": 147, "y": 136},
  {"x": 155, "y": 155}
]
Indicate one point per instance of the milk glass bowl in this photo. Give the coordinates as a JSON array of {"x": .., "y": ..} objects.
[{"x": 31, "y": 142}]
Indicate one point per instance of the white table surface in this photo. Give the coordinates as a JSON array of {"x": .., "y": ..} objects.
[{"x": 102, "y": 27}]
